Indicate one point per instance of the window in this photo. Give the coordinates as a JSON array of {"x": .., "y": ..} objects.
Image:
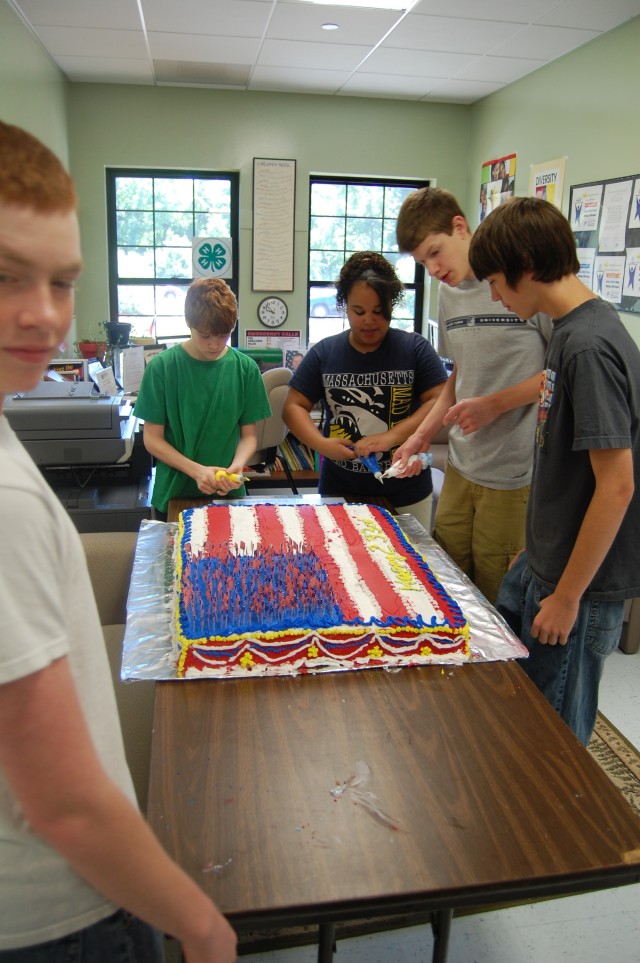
[
  {"x": 357, "y": 214},
  {"x": 152, "y": 217}
]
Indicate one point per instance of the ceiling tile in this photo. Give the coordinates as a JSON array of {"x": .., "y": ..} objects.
[
  {"x": 303, "y": 21},
  {"x": 293, "y": 53},
  {"x": 461, "y": 91},
  {"x": 592, "y": 14},
  {"x": 116, "y": 14},
  {"x": 518, "y": 11},
  {"x": 447, "y": 33},
  {"x": 116, "y": 44},
  {"x": 417, "y": 63},
  {"x": 499, "y": 70},
  {"x": 231, "y": 18},
  {"x": 544, "y": 43},
  {"x": 288, "y": 79},
  {"x": 106, "y": 71}
]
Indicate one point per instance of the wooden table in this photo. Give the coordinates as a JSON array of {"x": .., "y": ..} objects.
[
  {"x": 481, "y": 794},
  {"x": 491, "y": 796}
]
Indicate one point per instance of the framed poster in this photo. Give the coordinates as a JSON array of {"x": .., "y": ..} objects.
[
  {"x": 497, "y": 182},
  {"x": 274, "y": 195},
  {"x": 547, "y": 181}
]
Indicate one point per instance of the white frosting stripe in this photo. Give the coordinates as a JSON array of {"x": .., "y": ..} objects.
[
  {"x": 353, "y": 585},
  {"x": 415, "y": 599},
  {"x": 245, "y": 530}
]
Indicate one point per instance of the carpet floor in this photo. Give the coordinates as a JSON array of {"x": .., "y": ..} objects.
[{"x": 616, "y": 756}]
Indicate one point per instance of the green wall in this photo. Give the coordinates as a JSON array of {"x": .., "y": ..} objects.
[
  {"x": 581, "y": 107},
  {"x": 224, "y": 130},
  {"x": 32, "y": 89}
]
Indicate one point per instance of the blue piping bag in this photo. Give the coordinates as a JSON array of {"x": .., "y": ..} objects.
[{"x": 371, "y": 462}]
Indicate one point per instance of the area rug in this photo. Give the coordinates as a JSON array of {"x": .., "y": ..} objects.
[
  {"x": 616, "y": 756},
  {"x": 619, "y": 759}
]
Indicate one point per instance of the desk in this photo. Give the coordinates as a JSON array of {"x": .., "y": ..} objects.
[{"x": 492, "y": 796}]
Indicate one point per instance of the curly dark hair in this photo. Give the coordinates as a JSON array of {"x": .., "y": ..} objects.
[{"x": 378, "y": 273}]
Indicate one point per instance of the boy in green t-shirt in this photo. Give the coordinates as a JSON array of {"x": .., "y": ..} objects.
[{"x": 200, "y": 402}]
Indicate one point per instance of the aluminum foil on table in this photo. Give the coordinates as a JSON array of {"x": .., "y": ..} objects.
[{"x": 147, "y": 650}]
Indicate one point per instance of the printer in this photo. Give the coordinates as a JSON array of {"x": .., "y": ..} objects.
[
  {"x": 90, "y": 451},
  {"x": 62, "y": 423}
]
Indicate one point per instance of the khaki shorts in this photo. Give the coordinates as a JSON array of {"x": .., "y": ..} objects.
[{"x": 482, "y": 529}]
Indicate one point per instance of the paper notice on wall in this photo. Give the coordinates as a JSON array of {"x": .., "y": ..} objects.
[{"x": 131, "y": 368}]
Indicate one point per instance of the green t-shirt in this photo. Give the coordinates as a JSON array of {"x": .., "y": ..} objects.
[{"x": 202, "y": 405}]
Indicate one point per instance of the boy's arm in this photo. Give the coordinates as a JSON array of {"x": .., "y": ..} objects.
[
  {"x": 474, "y": 413},
  {"x": 421, "y": 438},
  {"x": 158, "y": 446},
  {"x": 386, "y": 440},
  {"x": 613, "y": 470},
  {"x": 245, "y": 449},
  {"x": 297, "y": 417},
  {"x": 50, "y": 762}
]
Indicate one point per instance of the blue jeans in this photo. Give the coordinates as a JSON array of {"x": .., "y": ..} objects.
[
  {"x": 567, "y": 675},
  {"x": 120, "y": 938}
]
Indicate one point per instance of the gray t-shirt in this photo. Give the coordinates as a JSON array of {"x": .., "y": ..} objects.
[
  {"x": 591, "y": 400},
  {"x": 493, "y": 349}
]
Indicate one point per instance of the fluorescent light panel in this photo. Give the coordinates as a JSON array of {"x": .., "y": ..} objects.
[{"x": 375, "y": 4}]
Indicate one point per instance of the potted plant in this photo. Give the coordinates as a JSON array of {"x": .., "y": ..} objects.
[
  {"x": 92, "y": 347},
  {"x": 117, "y": 333}
]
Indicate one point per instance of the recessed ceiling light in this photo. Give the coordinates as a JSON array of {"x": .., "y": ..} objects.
[{"x": 330, "y": 26}]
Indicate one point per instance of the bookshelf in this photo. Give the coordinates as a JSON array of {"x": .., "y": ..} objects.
[{"x": 302, "y": 461}]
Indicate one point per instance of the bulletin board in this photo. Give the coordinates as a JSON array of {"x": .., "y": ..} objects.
[{"x": 605, "y": 219}]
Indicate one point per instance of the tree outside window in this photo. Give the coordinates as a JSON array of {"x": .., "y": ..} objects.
[
  {"x": 152, "y": 218},
  {"x": 348, "y": 215}
]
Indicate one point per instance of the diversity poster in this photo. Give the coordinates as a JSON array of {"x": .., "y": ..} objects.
[
  {"x": 546, "y": 180},
  {"x": 496, "y": 183},
  {"x": 605, "y": 219}
]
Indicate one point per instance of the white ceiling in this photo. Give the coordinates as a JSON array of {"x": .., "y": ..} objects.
[{"x": 454, "y": 51}]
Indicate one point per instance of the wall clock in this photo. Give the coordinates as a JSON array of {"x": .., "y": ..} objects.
[{"x": 272, "y": 311}]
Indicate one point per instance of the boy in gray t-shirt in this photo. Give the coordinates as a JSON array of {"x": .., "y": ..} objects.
[{"x": 488, "y": 401}]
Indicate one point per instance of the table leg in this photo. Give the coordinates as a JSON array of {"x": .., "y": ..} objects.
[
  {"x": 441, "y": 926},
  {"x": 326, "y": 942}
]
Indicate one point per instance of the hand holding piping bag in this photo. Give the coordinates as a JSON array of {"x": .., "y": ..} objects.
[
  {"x": 371, "y": 462},
  {"x": 227, "y": 481},
  {"x": 397, "y": 470}
]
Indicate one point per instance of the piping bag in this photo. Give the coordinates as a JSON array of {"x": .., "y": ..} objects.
[
  {"x": 225, "y": 474},
  {"x": 371, "y": 462},
  {"x": 424, "y": 457}
]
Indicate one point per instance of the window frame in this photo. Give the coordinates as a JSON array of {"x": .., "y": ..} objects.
[
  {"x": 112, "y": 174},
  {"x": 420, "y": 284}
]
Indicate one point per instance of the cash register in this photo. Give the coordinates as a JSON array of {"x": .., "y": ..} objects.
[{"x": 89, "y": 448}]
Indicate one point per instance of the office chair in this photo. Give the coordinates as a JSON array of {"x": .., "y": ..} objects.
[{"x": 272, "y": 431}]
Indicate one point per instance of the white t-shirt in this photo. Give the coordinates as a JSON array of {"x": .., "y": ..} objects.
[{"x": 47, "y": 611}]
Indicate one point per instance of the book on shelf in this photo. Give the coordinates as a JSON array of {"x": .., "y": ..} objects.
[{"x": 299, "y": 456}]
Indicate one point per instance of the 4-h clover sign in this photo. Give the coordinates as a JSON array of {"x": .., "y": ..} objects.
[{"x": 211, "y": 257}]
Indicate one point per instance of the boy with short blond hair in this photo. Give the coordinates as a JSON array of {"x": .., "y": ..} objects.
[{"x": 488, "y": 401}]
